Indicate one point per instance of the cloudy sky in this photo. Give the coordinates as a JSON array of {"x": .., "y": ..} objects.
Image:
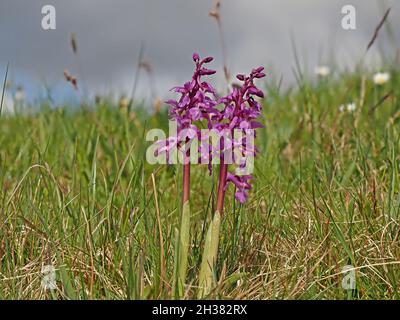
[{"x": 109, "y": 34}]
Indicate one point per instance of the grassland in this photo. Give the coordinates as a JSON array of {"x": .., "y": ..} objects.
[{"x": 77, "y": 193}]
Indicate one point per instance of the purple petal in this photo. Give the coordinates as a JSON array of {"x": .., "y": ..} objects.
[
  {"x": 260, "y": 75},
  {"x": 256, "y": 125},
  {"x": 242, "y": 196},
  {"x": 178, "y": 89},
  {"x": 172, "y": 103},
  {"x": 207, "y": 60},
  {"x": 195, "y": 113},
  {"x": 244, "y": 124},
  {"x": 257, "y": 92},
  {"x": 206, "y": 72},
  {"x": 258, "y": 70},
  {"x": 184, "y": 101}
]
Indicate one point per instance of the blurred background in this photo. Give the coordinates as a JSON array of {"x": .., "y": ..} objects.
[{"x": 110, "y": 35}]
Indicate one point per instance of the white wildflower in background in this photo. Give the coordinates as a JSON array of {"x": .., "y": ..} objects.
[
  {"x": 49, "y": 277},
  {"x": 381, "y": 78},
  {"x": 8, "y": 104},
  {"x": 350, "y": 107},
  {"x": 20, "y": 95},
  {"x": 322, "y": 71}
]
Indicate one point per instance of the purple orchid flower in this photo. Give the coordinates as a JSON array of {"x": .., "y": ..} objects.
[
  {"x": 197, "y": 102},
  {"x": 241, "y": 112},
  {"x": 197, "y": 97},
  {"x": 242, "y": 185}
]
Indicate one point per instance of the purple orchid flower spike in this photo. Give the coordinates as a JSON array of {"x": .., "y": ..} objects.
[
  {"x": 241, "y": 112},
  {"x": 197, "y": 102}
]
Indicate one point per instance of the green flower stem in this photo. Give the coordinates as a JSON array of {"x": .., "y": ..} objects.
[
  {"x": 206, "y": 278},
  {"x": 183, "y": 237},
  {"x": 182, "y": 250},
  {"x": 212, "y": 238}
]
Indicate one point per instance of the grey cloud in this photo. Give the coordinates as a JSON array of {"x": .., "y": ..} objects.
[{"x": 110, "y": 32}]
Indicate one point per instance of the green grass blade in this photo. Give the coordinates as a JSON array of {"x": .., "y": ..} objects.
[
  {"x": 4, "y": 90},
  {"x": 183, "y": 250}
]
